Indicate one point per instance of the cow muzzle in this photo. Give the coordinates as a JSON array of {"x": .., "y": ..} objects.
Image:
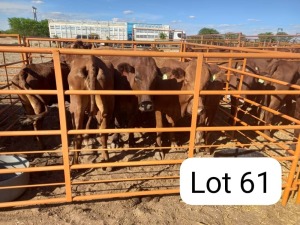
[
  {"x": 200, "y": 109},
  {"x": 146, "y": 106}
]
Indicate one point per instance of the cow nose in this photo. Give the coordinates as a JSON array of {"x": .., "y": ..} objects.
[
  {"x": 146, "y": 106},
  {"x": 200, "y": 110}
]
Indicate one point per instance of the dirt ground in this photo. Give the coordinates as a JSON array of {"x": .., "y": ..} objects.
[
  {"x": 168, "y": 209},
  {"x": 163, "y": 210}
]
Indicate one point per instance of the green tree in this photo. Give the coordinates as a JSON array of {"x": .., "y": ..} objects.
[
  {"x": 162, "y": 36},
  {"x": 283, "y": 39},
  {"x": 29, "y": 27},
  {"x": 230, "y": 35},
  {"x": 267, "y": 36},
  {"x": 206, "y": 30}
]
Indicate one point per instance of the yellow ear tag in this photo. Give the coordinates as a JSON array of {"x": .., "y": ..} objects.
[
  {"x": 213, "y": 77},
  {"x": 261, "y": 81},
  {"x": 165, "y": 77}
]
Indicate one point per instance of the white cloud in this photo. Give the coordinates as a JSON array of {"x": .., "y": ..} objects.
[
  {"x": 37, "y": 2},
  {"x": 176, "y": 21},
  {"x": 60, "y": 16},
  {"x": 225, "y": 25},
  {"x": 117, "y": 19},
  {"x": 253, "y": 20},
  {"x": 192, "y": 17},
  {"x": 9, "y": 10},
  {"x": 127, "y": 12},
  {"x": 13, "y": 8}
]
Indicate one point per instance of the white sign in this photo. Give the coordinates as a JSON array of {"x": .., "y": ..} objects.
[{"x": 230, "y": 181}]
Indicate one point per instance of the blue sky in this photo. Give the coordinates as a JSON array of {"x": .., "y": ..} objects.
[{"x": 249, "y": 17}]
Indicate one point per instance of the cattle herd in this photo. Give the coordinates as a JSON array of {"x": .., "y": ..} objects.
[{"x": 89, "y": 72}]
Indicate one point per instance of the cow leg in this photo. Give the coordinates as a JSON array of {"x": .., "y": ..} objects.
[
  {"x": 103, "y": 137},
  {"x": 131, "y": 124},
  {"x": 275, "y": 104},
  {"x": 116, "y": 136},
  {"x": 173, "y": 141},
  {"x": 200, "y": 134},
  {"x": 103, "y": 122},
  {"x": 37, "y": 125},
  {"x": 115, "y": 140},
  {"x": 104, "y": 116},
  {"x": 77, "y": 109},
  {"x": 159, "y": 154},
  {"x": 289, "y": 105},
  {"x": 243, "y": 109},
  {"x": 86, "y": 137},
  {"x": 77, "y": 120},
  {"x": 255, "y": 110},
  {"x": 234, "y": 105}
]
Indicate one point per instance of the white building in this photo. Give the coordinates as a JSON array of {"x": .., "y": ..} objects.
[
  {"x": 74, "y": 29},
  {"x": 111, "y": 30},
  {"x": 150, "y": 32}
]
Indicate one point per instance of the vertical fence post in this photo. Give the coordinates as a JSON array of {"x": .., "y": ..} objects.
[
  {"x": 63, "y": 124},
  {"x": 182, "y": 49},
  {"x": 229, "y": 72},
  {"x": 239, "y": 40},
  {"x": 195, "y": 105},
  {"x": 291, "y": 177}
]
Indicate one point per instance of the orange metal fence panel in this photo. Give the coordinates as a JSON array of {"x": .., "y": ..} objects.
[{"x": 64, "y": 182}]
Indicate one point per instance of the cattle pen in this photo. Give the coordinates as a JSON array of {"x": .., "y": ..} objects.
[{"x": 135, "y": 171}]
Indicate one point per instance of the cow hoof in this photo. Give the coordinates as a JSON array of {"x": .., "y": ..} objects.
[
  {"x": 197, "y": 150},
  {"x": 108, "y": 169},
  {"x": 159, "y": 155},
  {"x": 174, "y": 146},
  {"x": 114, "y": 145},
  {"x": 267, "y": 132}
]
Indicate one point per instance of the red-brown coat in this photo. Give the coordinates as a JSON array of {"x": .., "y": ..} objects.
[
  {"x": 90, "y": 73},
  {"x": 256, "y": 66},
  {"x": 177, "y": 106},
  {"x": 38, "y": 77},
  {"x": 288, "y": 71}
]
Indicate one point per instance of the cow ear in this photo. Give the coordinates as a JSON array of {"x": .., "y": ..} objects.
[{"x": 124, "y": 68}]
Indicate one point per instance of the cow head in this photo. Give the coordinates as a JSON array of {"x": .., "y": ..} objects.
[
  {"x": 189, "y": 84},
  {"x": 141, "y": 73}
]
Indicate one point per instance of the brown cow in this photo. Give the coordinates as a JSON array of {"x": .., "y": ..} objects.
[
  {"x": 255, "y": 66},
  {"x": 211, "y": 104},
  {"x": 126, "y": 106},
  {"x": 38, "y": 77},
  {"x": 90, "y": 73},
  {"x": 177, "y": 106},
  {"x": 141, "y": 74},
  {"x": 288, "y": 71}
]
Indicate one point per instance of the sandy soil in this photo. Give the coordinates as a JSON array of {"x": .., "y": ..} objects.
[{"x": 136, "y": 210}]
